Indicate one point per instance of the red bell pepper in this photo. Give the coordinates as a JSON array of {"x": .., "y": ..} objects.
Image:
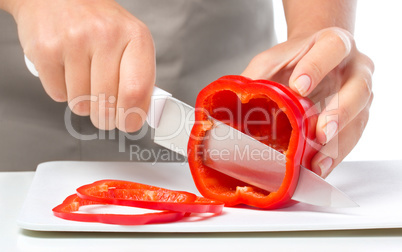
[
  {"x": 128, "y": 193},
  {"x": 242, "y": 103},
  {"x": 67, "y": 210}
]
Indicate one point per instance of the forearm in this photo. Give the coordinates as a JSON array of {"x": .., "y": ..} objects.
[{"x": 309, "y": 16}]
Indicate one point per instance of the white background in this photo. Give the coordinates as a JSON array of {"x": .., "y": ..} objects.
[{"x": 377, "y": 35}]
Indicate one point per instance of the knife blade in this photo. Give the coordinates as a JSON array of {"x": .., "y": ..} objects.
[
  {"x": 173, "y": 120},
  {"x": 244, "y": 158}
]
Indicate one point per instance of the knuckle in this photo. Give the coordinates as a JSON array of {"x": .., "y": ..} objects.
[
  {"x": 129, "y": 127},
  {"x": 370, "y": 100},
  {"x": 140, "y": 34},
  {"x": 365, "y": 113},
  {"x": 361, "y": 123},
  {"x": 364, "y": 86},
  {"x": 94, "y": 120},
  {"x": 107, "y": 31},
  {"x": 106, "y": 108},
  {"x": 260, "y": 58},
  {"x": 368, "y": 62},
  {"x": 130, "y": 120},
  {"x": 140, "y": 30},
  {"x": 132, "y": 91},
  {"x": 339, "y": 38},
  {"x": 48, "y": 49},
  {"x": 130, "y": 114},
  {"x": 81, "y": 108},
  {"x": 75, "y": 35},
  {"x": 56, "y": 94},
  {"x": 315, "y": 69},
  {"x": 58, "y": 97},
  {"x": 102, "y": 122},
  {"x": 29, "y": 51},
  {"x": 103, "y": 112},
  {"x": 341, "y": 153},
  {"x": 101, "y": 34},
  {"x": 344, "y": 115},
  {"x": 371, "y": 64},
  {"x": 102, "y": 31}
]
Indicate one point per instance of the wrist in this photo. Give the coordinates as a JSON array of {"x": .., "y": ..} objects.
[
  {"x": 307, "y": 31},
  {"x": 10, "y": 6},
  {"x": 310, "y": 16}
]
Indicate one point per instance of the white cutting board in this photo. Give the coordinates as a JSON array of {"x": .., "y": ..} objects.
[{"x": 375, "y": 186}]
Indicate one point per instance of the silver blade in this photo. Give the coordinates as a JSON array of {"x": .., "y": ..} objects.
[
  {"x": 320, "y": 192},
  {"x": 175, "y": 124},
  {"x": 242, "y": 157}
]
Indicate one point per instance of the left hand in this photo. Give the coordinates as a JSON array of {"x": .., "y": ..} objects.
[{"x": 326, "y": 67}]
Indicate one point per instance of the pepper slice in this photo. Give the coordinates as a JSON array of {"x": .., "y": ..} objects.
[
  {"x": 267, "y": 111},
  {"x": 72, "y": 203},
  {"x": 127, "y": 193}
]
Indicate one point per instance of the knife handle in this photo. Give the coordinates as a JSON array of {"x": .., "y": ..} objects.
[
  {"x": 156, "y": 105},
  {"x": 31, "y": 67}
]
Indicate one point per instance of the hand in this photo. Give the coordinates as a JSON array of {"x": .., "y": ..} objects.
[
  {"x": 327, "y": 67},
  {"x": 93, "y": 54}
]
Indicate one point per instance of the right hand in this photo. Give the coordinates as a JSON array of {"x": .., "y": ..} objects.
[{"x": 87, "y": 47}]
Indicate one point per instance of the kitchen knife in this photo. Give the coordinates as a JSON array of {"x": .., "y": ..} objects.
[{"x": 228, "y": 151}]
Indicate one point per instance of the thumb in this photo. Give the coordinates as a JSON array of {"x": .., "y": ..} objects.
[{"x": 275, "y": 61}]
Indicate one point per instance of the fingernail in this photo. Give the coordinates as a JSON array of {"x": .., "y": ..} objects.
[
  {"x": 330, "y": 130},
  {"x": 302, "y": 84},
  {"x": 325, "y": 166}
]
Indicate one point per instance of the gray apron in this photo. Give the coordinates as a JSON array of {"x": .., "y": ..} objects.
[{"x": 197, "y": 41}]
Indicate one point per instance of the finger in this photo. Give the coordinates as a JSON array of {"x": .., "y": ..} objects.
[
  {"x": 331, "y": 47},
  {"x": 51, "y": 74},
  {"x": 137, "y": 78},
  {"x": 339, "y": 147},
  {"x": 265, "y": 65},
  {"x": 344, "y": 106},
  {"x": 78, "y": 82},
  {"x": 105, "y": 65}
]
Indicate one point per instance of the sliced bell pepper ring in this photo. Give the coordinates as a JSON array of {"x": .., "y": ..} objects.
[
  {"x": 267, "y": 111},
  {"x": 126, "y": 193},
  {"x": 67, "y": 210}
]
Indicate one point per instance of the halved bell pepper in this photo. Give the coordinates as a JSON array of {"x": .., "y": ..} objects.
[{"x": 267, "y": 111}]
